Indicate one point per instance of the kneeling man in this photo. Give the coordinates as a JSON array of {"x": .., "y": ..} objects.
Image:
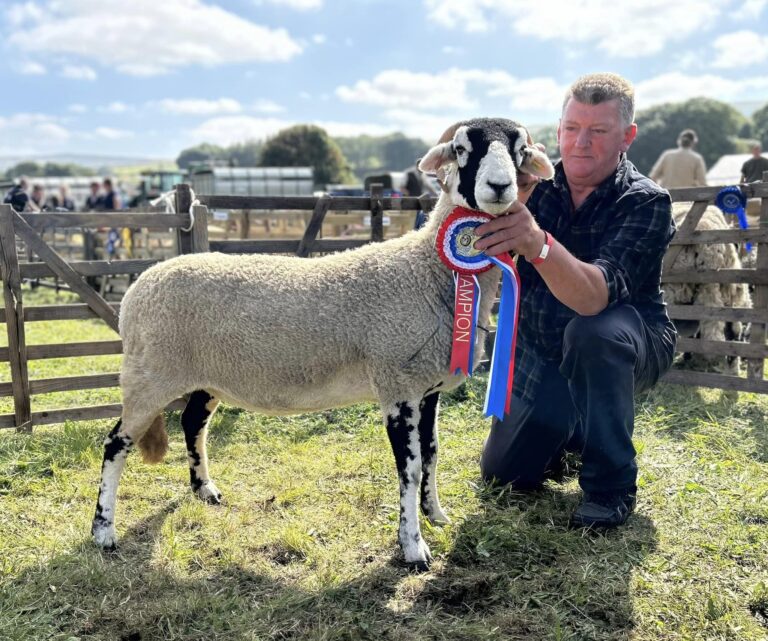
[{"x": 593, "y": 328}]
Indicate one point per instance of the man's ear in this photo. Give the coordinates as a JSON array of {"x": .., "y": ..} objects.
[
  {"x": 629, "y": 137},
  {"x": 537, "y": 163},
  {"x": 436, "y": 157}
]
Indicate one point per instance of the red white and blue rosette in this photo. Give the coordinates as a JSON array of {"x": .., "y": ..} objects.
[{"x": 455, "y": 246}]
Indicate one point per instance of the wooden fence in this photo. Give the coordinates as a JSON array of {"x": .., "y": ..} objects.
[{"x": 74, "y": 273}]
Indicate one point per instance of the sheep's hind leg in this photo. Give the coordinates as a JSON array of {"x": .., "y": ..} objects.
[
  {"x": 195, "y": 420},
  {"x": 402, "y": 420},
  {"x": 118, "y": 443},
  {"x": 430, "y": 502}
]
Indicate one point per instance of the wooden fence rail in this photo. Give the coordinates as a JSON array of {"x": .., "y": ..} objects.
[{"x": 194, "y": 238}]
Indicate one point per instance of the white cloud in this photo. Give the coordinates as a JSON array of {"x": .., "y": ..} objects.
[
  {"x": 32, "y": 69},
  {"x": 32, "y": 130},
  {"x": 395, "y": 88},
  {"x": 454, "y": 90},
  {"x": 200, "y": 106},
  {"x": 227, "y": 130},
  {"x": 319, "y": 39},
  {"x": 740, "y": 49},
  {"x": 621, "y": 29},
  {"x": 77, "y": 108},
  {"x": 751, "y": 8},
  {"x": 23, "y": 13},
  {"x": 117, "y": 107},
  {"x": 676, "y": 87},
  {"x": 78, "y": 72},
  {"x": 300, "y": 5},
  {"x": 267, "y": 107},
  {"x": 112, "y": 134},
  {"x": 147, "y": 37}
]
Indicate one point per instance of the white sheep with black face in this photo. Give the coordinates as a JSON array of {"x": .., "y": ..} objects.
[{"x": 284, "y": 335}]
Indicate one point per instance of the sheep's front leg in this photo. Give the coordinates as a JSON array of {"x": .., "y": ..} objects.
[
  {"x": 402, "y": 420},
  {"x": 430, "y": 502},
  {"x": 195, "y": 420}
]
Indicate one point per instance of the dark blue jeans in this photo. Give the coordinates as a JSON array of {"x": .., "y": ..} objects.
[{"x": 585, "y": 404}]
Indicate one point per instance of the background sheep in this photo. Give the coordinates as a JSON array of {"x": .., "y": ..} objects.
[
  {"x": 709, "y": 256},
  {"x": 283, "y": 335}
]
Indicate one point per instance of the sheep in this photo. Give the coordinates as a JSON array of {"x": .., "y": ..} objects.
[
  {"x": 709, "y": 256},
  {"x": 285, "y": 335}
]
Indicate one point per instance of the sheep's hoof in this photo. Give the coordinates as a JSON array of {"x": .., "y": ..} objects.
[
  {"x": 417, "y": 567},
  {"x": 437, "y": 516},
  {"x": 209, "y": 493},
  {"x": 105, "y": 537},
  {"x": 417, "y": 556}
]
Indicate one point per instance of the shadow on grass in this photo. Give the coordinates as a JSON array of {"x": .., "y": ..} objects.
[
  {"x": 685, "y": 408},
  {"x": 512, "y": 571}
]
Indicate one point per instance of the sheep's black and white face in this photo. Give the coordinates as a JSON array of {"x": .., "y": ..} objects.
[{"x": 479, "y": 166}]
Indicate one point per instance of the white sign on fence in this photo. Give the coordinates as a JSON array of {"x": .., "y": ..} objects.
[{"x": 385, "y": 220}]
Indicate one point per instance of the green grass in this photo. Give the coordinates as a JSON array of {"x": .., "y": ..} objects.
[{"x": 304, "y": 547}]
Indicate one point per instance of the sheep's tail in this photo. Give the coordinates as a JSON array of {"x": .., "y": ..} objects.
[{"x": 154, "y": 443}]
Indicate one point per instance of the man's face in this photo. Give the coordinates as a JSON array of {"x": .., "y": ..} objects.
[
  {"x": 756, "y": 151},
  {"x": 591, "y": 137}
]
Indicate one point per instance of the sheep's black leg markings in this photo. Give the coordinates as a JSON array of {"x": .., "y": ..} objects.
[
  {"x": 430, "y": 502},
  {"x": 402, "y": 419},
  {"x": 194, "y": 420},
  {"x": 116, "y": 448}
]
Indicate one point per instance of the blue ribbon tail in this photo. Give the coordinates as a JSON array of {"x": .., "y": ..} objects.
[
  {"x": 744, "y": 223},
  {"x": 496, "y": 395}
]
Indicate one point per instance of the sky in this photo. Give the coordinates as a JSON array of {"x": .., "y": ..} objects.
[{"x": 148, "y": 78}]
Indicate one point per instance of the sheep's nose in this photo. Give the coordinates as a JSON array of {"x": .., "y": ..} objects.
[{"x": 499, "y": 188}]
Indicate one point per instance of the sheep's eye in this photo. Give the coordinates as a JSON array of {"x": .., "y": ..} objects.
[{"x": 459, "y": 150}]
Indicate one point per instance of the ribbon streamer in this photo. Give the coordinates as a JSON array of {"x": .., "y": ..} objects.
[{"x": 498, "y": 396}]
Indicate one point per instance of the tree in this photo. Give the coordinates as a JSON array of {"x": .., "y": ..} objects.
[
  {"x": 401, "y": 152},
  {"x": 307, "y": 145},
  {"x": 760, "y": 125},
  {"x": 35, "y": 170},
  {"x": 245, "y": 154},
  {"x": 716, "y": 123},
  {"x": 200, "y": 153}
]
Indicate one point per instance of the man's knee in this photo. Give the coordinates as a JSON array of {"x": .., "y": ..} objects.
[
  {"x": 594, "y": 337},
  {"x": 523, "y": 461}
]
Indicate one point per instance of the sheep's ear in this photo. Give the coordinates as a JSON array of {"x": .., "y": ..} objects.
[
  {"x": 436, "y": 157},
  {"x": 536, "y": 163}
]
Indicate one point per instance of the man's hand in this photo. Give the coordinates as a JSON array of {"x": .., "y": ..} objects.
[{"x": 516, "y": 231}]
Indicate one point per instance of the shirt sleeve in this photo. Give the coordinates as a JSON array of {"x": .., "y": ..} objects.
[{"x": 633, "y": 245}]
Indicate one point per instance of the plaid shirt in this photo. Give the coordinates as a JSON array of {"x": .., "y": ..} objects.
[{"x": 624, "y": 227}]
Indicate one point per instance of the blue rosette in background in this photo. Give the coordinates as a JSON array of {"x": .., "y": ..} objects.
[{"x": 732, "y": 201}]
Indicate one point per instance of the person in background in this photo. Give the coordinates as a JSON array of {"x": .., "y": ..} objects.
[
  {"x": 17, "y": 196},
  {"x": 681, "y": 167},
  {"x": 38, "y": 197},
  {"x": 752, "y": 170},
  {"x": 111, "y": 199},
  {"x": 64, "y": 201},
  {"x": 94, "y": 202}
]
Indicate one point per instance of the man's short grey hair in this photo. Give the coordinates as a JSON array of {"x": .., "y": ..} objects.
[{"x": 596, "y": 88}]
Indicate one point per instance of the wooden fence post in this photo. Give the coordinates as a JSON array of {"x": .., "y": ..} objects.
[
  {"x": 194, "y": 240},
  {"x": 756, "y": 367},
  {"x": 377, "y": 213},
  {"x": 14, "y": 320},
  {"x": 314, "y": 226}
]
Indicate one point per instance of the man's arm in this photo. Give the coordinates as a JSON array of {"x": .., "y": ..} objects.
[{"x": 579, "y": 285}]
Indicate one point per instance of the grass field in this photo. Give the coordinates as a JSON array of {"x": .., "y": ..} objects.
[{"x": 304, "y": 547}]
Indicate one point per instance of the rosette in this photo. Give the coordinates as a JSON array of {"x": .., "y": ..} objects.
[
  {"x": 456, "y": 248},
  {"x": 732, "y": 201}
]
